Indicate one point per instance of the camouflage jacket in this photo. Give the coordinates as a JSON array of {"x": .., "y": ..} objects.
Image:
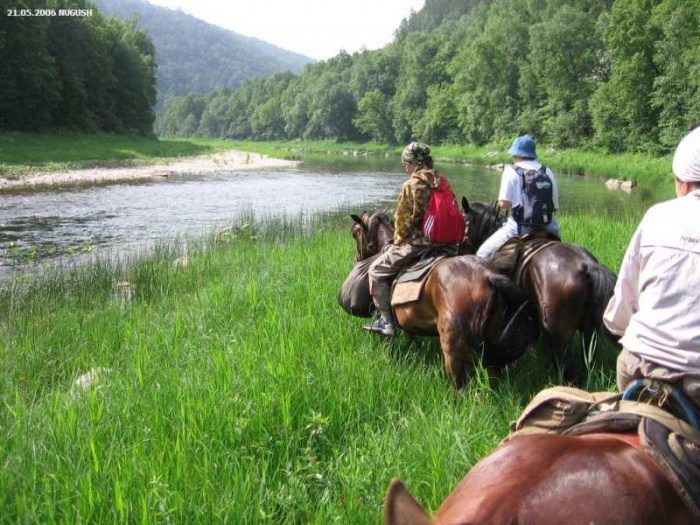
[{"x": 412, "y": 205}]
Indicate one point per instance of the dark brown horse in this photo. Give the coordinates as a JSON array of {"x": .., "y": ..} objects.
[
  {"x": 551, "y": 479},
  {"x": 567, "y": 284},
  {"x": 478, "y": 314}
]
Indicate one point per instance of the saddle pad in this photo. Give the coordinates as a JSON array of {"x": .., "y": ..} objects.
[
  {"x": 408, "y": 286},
  {"x": 407, "y": 292}
]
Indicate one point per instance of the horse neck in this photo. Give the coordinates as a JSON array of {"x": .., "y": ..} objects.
[{"x": 484, "y": 221}]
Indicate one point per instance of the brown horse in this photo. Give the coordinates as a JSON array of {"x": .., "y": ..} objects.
[
  {"x": 371, "y": 232},
  {"x": 567, "y": 284},
  {"x": 550, "y": 479},
  {"x": 476, "y": 312}
]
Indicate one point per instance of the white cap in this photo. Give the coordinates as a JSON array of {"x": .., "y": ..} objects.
[{"x": 686, "y": 160}]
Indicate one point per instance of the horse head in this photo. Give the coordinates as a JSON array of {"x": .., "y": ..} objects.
[
  {"x": 481, "y": 221},
  {"x": 371, "y": 233}
]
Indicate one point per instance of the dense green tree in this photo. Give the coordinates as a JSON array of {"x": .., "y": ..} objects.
[
  {"x": 74, "y": 72},
  {"x": 28, "y": 89},
  {"x": 676, "y": 92},
  {"x": 563, "y": 63},
  {"x": 374, "y": 118},
  {"x": 488, "y": 71},
  {"x": 181, "y": 116},
  {"x": 215, "y": 115},
  {"x": 623, "y": 115},
  {"x": 419, "y": 69}
]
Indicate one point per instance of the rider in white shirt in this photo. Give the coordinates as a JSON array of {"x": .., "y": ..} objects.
[{"x": 658, "y": 286}]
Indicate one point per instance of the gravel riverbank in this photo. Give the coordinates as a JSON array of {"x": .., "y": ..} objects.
[{"x": 223, "y": 161}]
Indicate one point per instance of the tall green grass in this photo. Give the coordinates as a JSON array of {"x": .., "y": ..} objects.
[{"x": 234, "y": 389}]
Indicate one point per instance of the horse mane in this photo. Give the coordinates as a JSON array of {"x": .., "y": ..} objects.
[
  {"x": 378, "y": 218},
  {"x": 601, "y": 282}
]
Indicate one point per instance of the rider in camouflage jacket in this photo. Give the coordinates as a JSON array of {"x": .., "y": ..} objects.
[
  {"x": 412, "y": 205},
  {"x": 409, "y": 242}
]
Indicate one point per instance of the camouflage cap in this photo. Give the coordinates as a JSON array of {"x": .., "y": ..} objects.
[{"x": 415, "y": 153}]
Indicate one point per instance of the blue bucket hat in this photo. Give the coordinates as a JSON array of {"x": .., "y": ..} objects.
[{"x": 523, "y": 146}]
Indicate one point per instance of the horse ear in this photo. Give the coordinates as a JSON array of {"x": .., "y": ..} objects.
[
  {"x": 400, "y": 508},
  {"x": 465, "y": 205},
  {"x": 357, "y": 219}
]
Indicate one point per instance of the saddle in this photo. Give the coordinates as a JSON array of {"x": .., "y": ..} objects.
[
  {"x": 408, "y": 285},
  {"x": 667, "y": 432},
  {"x": 512, "y": 258}
]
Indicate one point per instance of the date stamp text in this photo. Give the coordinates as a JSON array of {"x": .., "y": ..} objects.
[{"x": 46, "y": 12}]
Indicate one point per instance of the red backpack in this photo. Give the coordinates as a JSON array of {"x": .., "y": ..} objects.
[{"x": 443, "y": 222}]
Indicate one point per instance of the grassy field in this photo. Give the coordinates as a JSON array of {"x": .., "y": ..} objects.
[
  {"x": 22, "y": 154},
  {"x": 233, "y": 388}
]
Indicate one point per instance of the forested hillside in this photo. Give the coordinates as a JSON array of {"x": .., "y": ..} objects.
[
  {"x": 620, "y": 74},
  {"x": 196, "y": 57},
  {"x": 77, "y": 71}
]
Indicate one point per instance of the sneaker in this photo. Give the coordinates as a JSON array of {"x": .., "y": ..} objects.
[{"x": 380, "y": 326}]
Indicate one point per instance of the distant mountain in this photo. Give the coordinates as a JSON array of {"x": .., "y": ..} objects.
[{"x": 196, "y": 57}]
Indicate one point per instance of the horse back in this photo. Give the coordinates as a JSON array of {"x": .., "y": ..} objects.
[{"x": 553, "y": 479}]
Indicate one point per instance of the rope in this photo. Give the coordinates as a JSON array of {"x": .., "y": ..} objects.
[{"x": 660, "y": 392}]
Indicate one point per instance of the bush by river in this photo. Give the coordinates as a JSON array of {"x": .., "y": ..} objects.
[{"x": 224, "y": 383}]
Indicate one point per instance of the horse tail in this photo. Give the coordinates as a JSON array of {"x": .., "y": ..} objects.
[
  {"x": 601, "y": 285},
  {"x": 520, "y": 327}
]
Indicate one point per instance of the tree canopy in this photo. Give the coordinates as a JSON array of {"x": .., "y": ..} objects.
[{"x": 620, "y": 74}]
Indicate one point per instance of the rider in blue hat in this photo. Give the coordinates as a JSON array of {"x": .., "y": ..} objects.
[{"x": 529, "y": 193}]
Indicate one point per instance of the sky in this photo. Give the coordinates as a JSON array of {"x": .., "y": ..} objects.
[{"x": 319, "y": 29}]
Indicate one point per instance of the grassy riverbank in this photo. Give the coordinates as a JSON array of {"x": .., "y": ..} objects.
[
  {"x": 22, "y": 154},
  {"x": 234, "y": 388},
  {"x": 26, "y": 153},
  {"x": 647, "y": 170}
]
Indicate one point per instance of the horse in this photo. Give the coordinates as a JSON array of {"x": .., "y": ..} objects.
[
  {"x": 372, "y": 232},
  {"x": 567, "y": 284},
  {"x": 475, "y": 311},
  {"x": 549, "y": 479}
]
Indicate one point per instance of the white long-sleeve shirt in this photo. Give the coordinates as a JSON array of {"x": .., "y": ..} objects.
[{"x": 656, "y": 304}]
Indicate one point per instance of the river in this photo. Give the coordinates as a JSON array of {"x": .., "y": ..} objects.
[{"x": 49, "y": 224}]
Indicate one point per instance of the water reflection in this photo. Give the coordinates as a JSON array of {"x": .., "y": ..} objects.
[{"x": 35, "y": 225}]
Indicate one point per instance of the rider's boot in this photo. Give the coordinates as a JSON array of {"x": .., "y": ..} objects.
[{"x": 383, "y": 325}]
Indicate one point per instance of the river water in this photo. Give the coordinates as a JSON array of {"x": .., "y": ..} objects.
[{"x": 45, "y": 225}]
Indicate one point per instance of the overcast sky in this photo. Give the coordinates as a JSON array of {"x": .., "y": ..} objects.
[{"x": 316, "y": 28}]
